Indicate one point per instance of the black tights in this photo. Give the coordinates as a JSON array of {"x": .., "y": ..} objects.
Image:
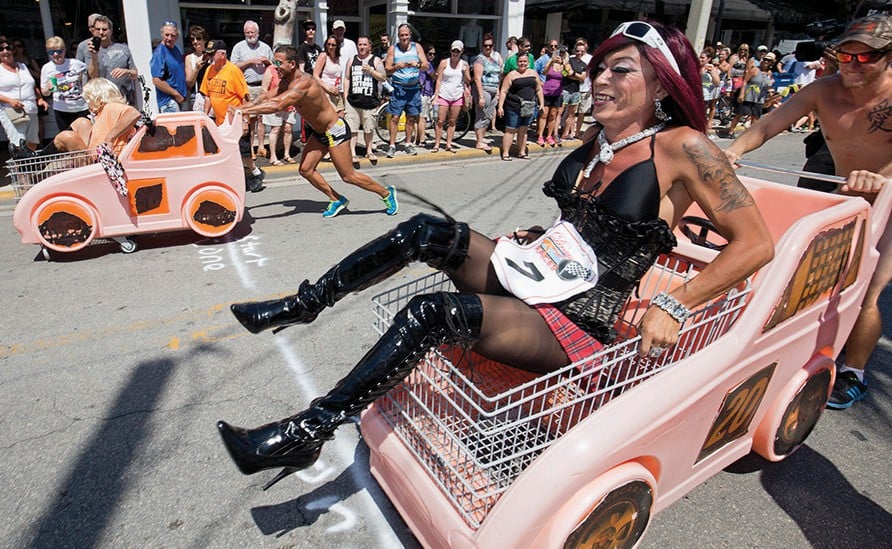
[{"x": 513, "y": 332}]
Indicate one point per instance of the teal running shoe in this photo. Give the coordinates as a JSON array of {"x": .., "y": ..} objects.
[
  {"x": 335, "y": 207},
  {"x": 390, "y": 201}
]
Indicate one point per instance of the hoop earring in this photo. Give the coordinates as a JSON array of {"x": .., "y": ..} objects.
[{"x": 659, "y": 113}]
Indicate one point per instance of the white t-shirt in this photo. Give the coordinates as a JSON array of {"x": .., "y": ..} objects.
[
  {"x": 244, "y": 51},
  {"x": 68, "y": 91},
  {"x": 19, "y": 85}
]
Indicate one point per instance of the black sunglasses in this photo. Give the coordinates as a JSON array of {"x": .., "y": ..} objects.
[
  {"x": 5, "y": 48},
  {"x": 871, "y": 56}
]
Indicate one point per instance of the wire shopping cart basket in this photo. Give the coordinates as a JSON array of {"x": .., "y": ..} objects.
[
  {"x": 475, "y": 425},
  {"x": 24, "y": 173}
]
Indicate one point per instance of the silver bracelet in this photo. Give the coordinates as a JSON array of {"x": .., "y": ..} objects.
[{"x": 672, "y": 307}]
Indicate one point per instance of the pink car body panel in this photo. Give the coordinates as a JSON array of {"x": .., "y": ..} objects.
[{"x": 741, "y": 392}]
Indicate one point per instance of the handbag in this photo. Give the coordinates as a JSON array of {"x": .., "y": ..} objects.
[
  {"x": 556, "y": 266},
  {"x": 467, "y": 98},
  {"x": 17, "y": 117},
  {"x": 527, "y": 108}
]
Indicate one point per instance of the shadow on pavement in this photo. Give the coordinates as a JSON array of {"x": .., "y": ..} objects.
[
  {"x": 87, "y": 498},
  {"x": 826, "y": 507},
  {"x": 306, "y": 509}
]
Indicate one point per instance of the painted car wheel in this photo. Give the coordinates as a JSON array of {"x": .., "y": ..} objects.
[
  {"x": 802, "y": 414},
  {"x": 618, "y": 520},
  {"x": 212, "y": 211},
  {"x": 65, "y": 224}
]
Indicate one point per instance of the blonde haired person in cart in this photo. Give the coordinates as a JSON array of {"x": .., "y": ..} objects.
[
  {"x": 114, "y": 120},
  {"x": 853, "y": 107},
  {"x": 649, "y": 106}
]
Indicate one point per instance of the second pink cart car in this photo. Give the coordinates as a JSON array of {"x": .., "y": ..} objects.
[{"x": 183, "y": 172}]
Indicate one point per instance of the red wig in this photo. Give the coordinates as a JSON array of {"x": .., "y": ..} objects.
[{"x": 685, "y": 100}]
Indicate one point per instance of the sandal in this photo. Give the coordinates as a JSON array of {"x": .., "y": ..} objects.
[
  {"x": 484, "y": 148},
  {"x": 506, "y": 158},
  {"x": 276, "y": 163},
  {"x": 356, "y": 160},
  {"x": 523, "y": 156},
  {"x": 372, "y": 157},
  {"x": 449, "y": 149},
  {"x": 290, "y": 160},
  {"x": 435, "y": 150},
  {"x": 261, "y": 152}
]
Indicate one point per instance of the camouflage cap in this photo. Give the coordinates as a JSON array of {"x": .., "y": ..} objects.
[{"x": 873, "y": 30}]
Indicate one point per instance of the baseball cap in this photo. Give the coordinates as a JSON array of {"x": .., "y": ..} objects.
[
  {"x": 769, "y": 56},
  {"x": 338, "y": 24},
  {"x": 457, "y": 45},
  {"x": 763, "y": 47},
  {"x": 214, "y": 45},
  {"x": 307, "y": 24},
  {"x": 873, "y": 30}
]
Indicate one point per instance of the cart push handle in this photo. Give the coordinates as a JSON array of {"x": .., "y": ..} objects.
[{"x": 879, "y": 212}]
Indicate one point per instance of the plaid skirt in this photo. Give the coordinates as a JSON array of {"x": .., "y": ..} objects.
[{"x": 576, "y": 343}]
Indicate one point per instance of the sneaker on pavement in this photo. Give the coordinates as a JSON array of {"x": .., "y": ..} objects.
[
  {"x": 255, "y": 182},
  {"x": 847, "y": 390},
  {"x": 335, "y": 207},
  {"x": 391, "y": 150},
  {"x": 410, "y": 150},
  {"x": 390, "y": 201},
  {"x": 540, "y": 142}
]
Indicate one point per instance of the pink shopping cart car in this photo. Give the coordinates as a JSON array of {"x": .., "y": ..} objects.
[
  {"x": 182, "y": 172},
  {"x": 588, "y": 454}
]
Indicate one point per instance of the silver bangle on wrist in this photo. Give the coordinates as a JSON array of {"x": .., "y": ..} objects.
[{"x": 672, "y": 307}]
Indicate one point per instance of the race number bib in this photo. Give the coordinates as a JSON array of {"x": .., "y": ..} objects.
[{"x": 555, "y": 267}]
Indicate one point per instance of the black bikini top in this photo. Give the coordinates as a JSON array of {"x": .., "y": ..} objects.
[{"x": 633, "y": 195}]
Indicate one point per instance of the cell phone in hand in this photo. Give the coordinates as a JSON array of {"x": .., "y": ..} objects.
[{"x": 96, "y": 42}]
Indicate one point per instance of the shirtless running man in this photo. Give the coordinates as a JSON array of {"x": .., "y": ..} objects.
[
  {"x": 327, "y": 132},
  {"x": 854, "y": 107}
]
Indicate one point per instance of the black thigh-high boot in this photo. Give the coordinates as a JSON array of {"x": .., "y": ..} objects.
[
  {"x": 441, "y": 243},
  {"x": 295, "y": 442}
]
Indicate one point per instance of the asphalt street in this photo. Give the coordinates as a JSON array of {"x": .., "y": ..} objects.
[{"x": 115, "y": 367}]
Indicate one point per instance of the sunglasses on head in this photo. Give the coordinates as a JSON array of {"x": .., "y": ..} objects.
[
  {"x": 871, "y": 56},
  {"x": 645, "y": 33},
  {"x": 54, "y": 52},
  {"x": 169, "y": 23}
]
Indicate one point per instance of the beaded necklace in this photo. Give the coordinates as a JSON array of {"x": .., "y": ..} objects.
[{"x": 607, "y": 149}]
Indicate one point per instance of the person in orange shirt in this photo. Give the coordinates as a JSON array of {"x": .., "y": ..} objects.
[
  {"x": 224, "y": 85},
  {"x": 114, "y": 121}
]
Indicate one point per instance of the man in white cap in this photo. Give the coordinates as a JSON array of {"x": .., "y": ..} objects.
[
  {"x": 348, "y": 47},
  {"x": 853, "y": 107},
  {"x": 253, "y": 56}
]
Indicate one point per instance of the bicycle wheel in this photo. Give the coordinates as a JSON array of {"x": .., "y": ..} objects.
[
  {"x": 463, "y": 124},
  {"x": 382, "y": 124}
]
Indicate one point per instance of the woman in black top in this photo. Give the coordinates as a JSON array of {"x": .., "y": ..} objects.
[
  {"x": 519, "y": 96},
  {"x": 640, "y": 168}
]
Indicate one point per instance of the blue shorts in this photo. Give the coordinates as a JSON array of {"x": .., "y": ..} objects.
[
  {"x": 570, "y": 98},
  {"x": 513, "y": 119},
  {"x": 405, "y": 99}
]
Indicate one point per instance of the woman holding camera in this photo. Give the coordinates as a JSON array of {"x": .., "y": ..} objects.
[
  {"x": 196, "y": 64},
  {"x": 553, "y": 91}
]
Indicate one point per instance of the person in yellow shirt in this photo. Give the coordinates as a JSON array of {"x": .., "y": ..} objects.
[{"x": 224, "y": 85}]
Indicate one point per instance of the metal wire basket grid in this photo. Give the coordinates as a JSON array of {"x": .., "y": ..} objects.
[
  {"x": 24, "y": 173},
  {"x": 476, "y": 425}
]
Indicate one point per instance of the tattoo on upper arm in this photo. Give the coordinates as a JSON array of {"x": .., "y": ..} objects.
[
  {"x": 880, "y": 117},
  {"x": 715, "y": 170}
]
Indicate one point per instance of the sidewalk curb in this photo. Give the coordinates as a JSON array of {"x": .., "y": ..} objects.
[{"x": 277, "y": 173}]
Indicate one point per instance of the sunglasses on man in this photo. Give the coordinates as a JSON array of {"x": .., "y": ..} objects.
[{"x": 871, "y": 56}]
